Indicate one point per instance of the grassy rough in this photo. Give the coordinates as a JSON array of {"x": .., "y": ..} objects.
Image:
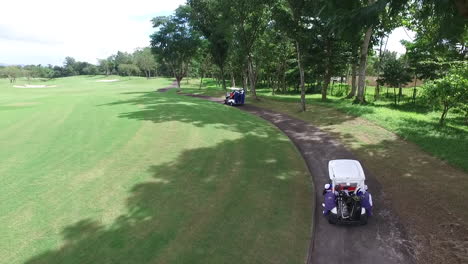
[
  {"x": 416, "y": 124},
  {"x": 117, "y": 173}
]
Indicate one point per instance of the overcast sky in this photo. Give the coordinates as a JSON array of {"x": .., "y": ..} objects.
[{"x": 46, "y": 31}]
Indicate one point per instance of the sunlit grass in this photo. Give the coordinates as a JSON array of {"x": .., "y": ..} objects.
[{"x": 116, "y": 172}]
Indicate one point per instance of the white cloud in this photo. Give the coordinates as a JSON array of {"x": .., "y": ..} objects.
[
  {"x": 33, "y": 32},
  {"x": 46, "y": 31},
  {"x": 395, "y": 38}
]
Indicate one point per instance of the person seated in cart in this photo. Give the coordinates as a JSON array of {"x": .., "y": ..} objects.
[
  {"x": 328, "y": 199},
  {"x": 366, "y": 199}
]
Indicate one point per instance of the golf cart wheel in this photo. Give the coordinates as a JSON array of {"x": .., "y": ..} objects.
[
  {"x": 231, "y": 104},
  {"x": 363, "y": 219},
  {"x": 332, "y": 219}
]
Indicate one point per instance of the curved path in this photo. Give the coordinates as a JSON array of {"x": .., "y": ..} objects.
[{"x": 381, "y": 241}]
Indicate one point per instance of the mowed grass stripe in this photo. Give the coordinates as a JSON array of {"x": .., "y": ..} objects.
[{"x": 128, "y": 175}]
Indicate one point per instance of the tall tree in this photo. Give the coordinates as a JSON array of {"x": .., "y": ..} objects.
[
  {"x": 249, "y": 19},
  {"x": 176, "y": 42},
  {"x": 105, "y": 66},
  {"x": 211, "y": 18},
  {"x": 69, "y": 66},
  {"x": 368, "y": 16},
  {"x": 12, "y": 72},
  {"x": 396, "y": 74},
  {"x": 145, "y": 60},
  {"x": 290, "y": 15}
]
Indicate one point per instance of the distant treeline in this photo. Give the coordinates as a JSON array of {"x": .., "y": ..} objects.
[{"x": 139, "y": 63}]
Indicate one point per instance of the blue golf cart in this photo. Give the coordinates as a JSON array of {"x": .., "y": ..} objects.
[{"x": 236, "y": 96}]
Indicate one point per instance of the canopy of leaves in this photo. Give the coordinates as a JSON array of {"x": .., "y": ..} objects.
[
  {"x": 210, "y": 18},
  {"x": 395, "y": 71},
  {"x": 175, "y": 41},
  {"x": 451, "y": 90}
]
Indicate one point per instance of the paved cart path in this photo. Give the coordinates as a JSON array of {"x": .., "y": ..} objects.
[{"x": 381, "y": 241}]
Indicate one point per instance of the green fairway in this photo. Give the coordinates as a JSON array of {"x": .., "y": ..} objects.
[{"x": 113, "y": 172}]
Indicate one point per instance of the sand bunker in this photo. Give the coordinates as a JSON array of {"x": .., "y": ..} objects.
[
  {"x": 35, "y": 86},
  {"x": 107, "y": 81}
]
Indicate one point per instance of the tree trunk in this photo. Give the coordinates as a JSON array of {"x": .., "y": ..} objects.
[
  {"x": 326, "y": 84},
  {"x": 273, "y": 88},
  {"x": 244, "y": 80},
  {"x": 353, "y": 81},
  {"x": 414, "y": 89},
  {"x": 178, "y": 79},
  {"x": 400, "y": 93},
  {"x": 222, "y": 77},
  {"x": 301, "y": 74},
  {"x": 283, "y": 82},
  {"x": 328, "y": 73},
  {"x": 360, "y": 98},
  {"x": 252, "y": 77},
  {"x": 377, "y": 87},
  {"x": 444, "y": 115},
  {"x": 201, "y": 82},
  {"x": 233, "y": 80},
  {"x": 394, "y": 95}
]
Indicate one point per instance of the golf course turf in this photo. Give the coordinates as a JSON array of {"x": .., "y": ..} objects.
[{"x": 113, "y": 172}]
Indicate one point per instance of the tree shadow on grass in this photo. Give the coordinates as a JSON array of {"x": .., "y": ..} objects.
[
  {"x": 165, "y": 107},
  {"x": 211, "y": 205},
  {"x": 239, "y": 201}
]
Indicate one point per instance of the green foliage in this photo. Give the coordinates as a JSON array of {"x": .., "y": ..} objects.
[
  {"x": 395, "y": 71},
  {"x": 432, "y": 60},
  {"x": 145, "y": 60},
  {"x": 212, "y": 20},
  {"x": 176, "y": 42},
  {"x": 128, "y": 69},
  {"x": 12, "y": 72},
  {"x": 449, "y": 92},
  {"x": 106, "y": 65},
  {"x": 123, "y": 58},
  {"x": 443, "y": 22},
  {"x": 90, "y": 70}
]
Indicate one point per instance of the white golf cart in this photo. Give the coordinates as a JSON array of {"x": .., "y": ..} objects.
[
  {"x": 236, "y": 96},
  {"x": 347, "y": 200}
]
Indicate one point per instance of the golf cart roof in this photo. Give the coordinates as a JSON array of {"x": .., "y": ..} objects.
[
  {"x": 346, "y": 171},
  {"x": 235, "y": 89}
]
